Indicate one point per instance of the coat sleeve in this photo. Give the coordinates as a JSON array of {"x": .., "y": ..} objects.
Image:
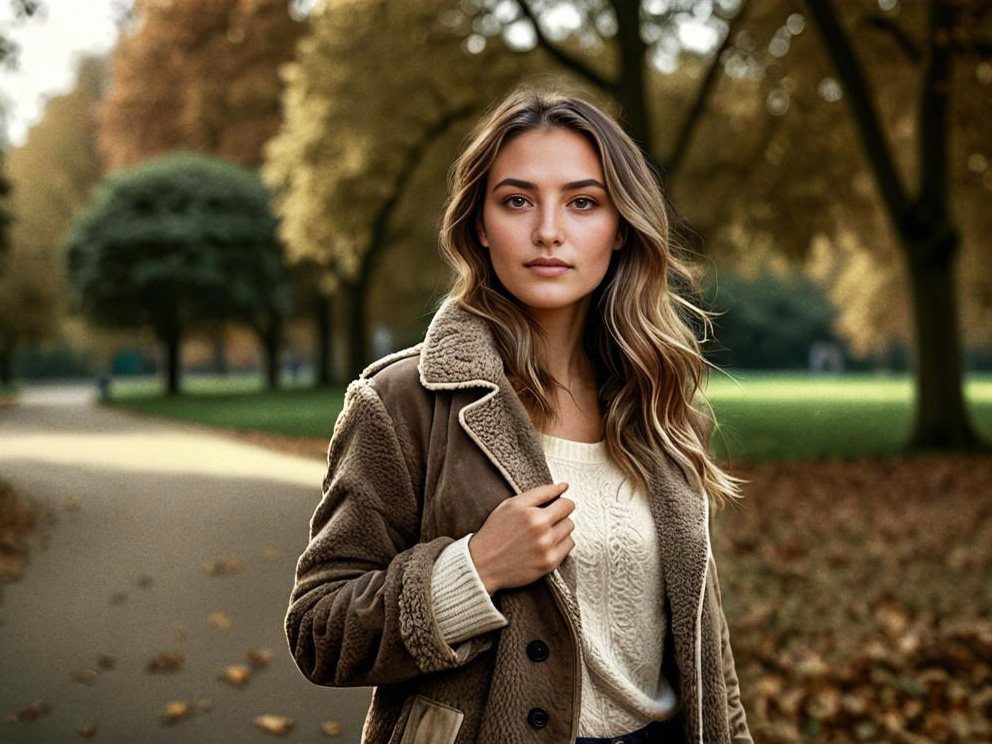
[
  {"x": 735, "y": 709},
  {"x": 360, "y": 610}
]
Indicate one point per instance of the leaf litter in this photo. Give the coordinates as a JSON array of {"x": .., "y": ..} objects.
[{"x": 859, "y": 597}]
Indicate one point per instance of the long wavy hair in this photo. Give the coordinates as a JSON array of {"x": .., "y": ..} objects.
[{"x": 638, "y": 335}]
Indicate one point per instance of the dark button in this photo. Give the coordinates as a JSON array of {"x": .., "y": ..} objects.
[
  {"x": 537, "y": 717},
  {"x": 537, "y": 650}
]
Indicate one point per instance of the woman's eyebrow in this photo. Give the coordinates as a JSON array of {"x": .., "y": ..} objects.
[{"x": 533, "y": 186}]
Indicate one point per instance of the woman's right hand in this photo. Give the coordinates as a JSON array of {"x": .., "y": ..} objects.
[{"x": 521, "y": 540}]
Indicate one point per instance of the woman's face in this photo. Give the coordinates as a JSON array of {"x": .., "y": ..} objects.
[{"x": 546, "y": 198}]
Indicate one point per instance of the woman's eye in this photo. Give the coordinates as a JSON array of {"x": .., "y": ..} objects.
[{"x": 513, "y": 202}]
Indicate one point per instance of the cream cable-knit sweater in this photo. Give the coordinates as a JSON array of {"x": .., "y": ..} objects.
[{"x": 620, "y": 592}]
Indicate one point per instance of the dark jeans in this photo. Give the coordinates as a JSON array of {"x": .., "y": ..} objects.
[{"x": 653, "y": 733}]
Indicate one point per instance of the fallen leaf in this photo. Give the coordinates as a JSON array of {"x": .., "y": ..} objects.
[
  {"x": 892, "y": 618},
  {"x": 331, "y": 727},
  {"x": 33, "y": 711},
  {"x": 236, "y": 674},
  {"x": 87, "y": 730},
  {"x": 86, "y": 676},
  {"x": 222, "y": 567},
  {"x": 175, "y": 711},
  {"x": 106, "y": 662},
  {"x": 259, "y": 657},
  {"x": 271, "y": 724},
  {"x": 271, "y": 554},
  {"x": 812, "y": 666},
  {"x": 791, "y": 550},
  {"x": 219, "y": 619},
  {"x": 167, "y": 661}
]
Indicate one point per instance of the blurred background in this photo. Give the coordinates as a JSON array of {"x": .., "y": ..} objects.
[{"x": 215, "y": 213}]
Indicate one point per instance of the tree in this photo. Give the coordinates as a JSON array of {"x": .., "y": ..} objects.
[
  {"x": 202, "y": 76},
  {"x": 22, "y": 10},
  {"x": 177, "y": 241},
  {"x": 54, "y": 173},
  {"x": 49, "y": 176},
  {"x": 615, "y": 46},
  {"x": 5, "y": 218},
  {"x": 922, "y": 220},
  {"x": 28, "y": 298},
  {"x": 28, "y": 303},
  {"x": 754, "y": 175},
  {"x": 375, "y": 87}
]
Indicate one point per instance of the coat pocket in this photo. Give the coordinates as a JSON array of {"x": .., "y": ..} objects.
[{"x": 431, "y": 722}]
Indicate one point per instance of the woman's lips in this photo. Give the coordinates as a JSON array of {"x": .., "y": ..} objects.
[{"x": 542, "y": 270}]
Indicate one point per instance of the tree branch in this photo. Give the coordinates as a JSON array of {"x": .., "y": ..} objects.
[
  {"x": 698, "y": 108},
  {"x": 975, "y": 47},
  {"x": 867, "y": 123},
  {"x": 565, "y": 59},
  {"x": 933, "y": 133},
  {"x": 902, "y": 39}
]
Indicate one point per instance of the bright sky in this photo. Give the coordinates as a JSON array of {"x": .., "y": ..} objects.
[{"x": 49, "y": 48}]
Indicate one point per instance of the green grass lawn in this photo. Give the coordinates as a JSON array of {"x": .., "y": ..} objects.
[
  {"x": 762, "y": 415},
  {"x": 786, "y": 416},
  {"x": 236, "y": 402}
]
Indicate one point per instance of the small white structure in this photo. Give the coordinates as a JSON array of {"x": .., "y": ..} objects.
[
  {"x": 382, "y": 341},
  {"x": 825, "y": 356}
]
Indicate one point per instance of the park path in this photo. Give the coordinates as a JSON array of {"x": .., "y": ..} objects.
[{"x": 144, "y": 507}]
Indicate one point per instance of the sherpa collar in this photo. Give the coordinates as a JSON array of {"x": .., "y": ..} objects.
[{"x": 458, "y": 349}]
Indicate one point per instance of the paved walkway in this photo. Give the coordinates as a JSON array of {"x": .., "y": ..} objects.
[{"x": 143, "y": 507}]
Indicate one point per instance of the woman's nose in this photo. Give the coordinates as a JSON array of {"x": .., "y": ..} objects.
[{"x": 548, "y": 230}]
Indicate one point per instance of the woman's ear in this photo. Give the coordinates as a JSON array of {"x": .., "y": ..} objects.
[
  {"x": 481, "y": 231},
  {"x": 621, "y": 238}
]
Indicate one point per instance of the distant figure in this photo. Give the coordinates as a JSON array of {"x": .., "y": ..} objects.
[
  {"x": 825, "y": 356},
  {"x": 103, "y": 385},
  {"x": 293, "y": 362}
]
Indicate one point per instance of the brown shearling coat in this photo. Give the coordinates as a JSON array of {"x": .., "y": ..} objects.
[{"x": 430, "y": 440}]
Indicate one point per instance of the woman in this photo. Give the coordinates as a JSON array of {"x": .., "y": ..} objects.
[{"x": 442, "y": 568}]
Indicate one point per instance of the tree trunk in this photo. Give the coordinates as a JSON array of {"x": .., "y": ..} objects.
[
  {"x": 941, "y": 416},
  {"x": 172, "y": 342},
  {"x": 323, "y": 325},
  {"x": 358, "y": 292},
  {"x": 6, "y": 364},
  {"x": 357, "y": 347},
  {"x": 271, "y": 343},
  {"x": 630, "y": 89},
  {"x": 220, "y": 361},
  {"x": 924, "y": 224}
]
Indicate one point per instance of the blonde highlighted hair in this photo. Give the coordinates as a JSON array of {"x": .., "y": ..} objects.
[{"x": 648, "y": 363}]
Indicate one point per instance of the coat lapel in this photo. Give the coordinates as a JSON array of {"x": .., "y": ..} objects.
[{"x": 458, "y": 352}]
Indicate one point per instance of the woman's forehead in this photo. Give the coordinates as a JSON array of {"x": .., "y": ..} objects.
[{"x": 543, "y": 158}]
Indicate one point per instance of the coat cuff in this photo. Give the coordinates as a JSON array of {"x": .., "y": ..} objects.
[{"x": 461, "y": 604}]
